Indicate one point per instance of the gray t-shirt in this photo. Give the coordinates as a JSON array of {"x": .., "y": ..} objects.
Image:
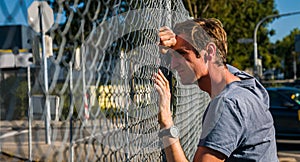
[{"x": 238, "y": 122}]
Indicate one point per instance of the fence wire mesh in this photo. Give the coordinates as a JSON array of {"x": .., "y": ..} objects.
[{"x": 99, "y": 103}]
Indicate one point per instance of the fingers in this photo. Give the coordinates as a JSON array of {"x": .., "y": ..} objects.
[
  {"x": 161, "y": 84},
  {"x": 169, "y": 43},
  {"x": 163, "y": 77},
  {"x": 167, "y": 37},
  {"x": 165, "y": 114},
  {"x": 159, "y": 90},
  {"x": 161, "y": 80}
]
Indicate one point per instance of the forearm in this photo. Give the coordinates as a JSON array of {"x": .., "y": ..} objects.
[
  {"x": 172, "y": 145},
  {"x": 173, "y": 150}
]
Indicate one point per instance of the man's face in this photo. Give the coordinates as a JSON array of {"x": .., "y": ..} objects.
[{"x": 184, "y": 61}]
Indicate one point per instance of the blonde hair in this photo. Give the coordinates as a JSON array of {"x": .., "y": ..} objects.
[{"x": 201, "y": 31}]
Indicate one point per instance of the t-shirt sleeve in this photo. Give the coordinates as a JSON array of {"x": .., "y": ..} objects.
[{"x": 222, "y": 127}]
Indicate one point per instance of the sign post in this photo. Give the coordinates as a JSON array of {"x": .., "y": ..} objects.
[{"x": 40, "y": 18}]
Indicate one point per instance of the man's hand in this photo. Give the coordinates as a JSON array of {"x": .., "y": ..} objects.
[
  {"x": 167, "y": 38},
  {"x": 162, "y": 86}
]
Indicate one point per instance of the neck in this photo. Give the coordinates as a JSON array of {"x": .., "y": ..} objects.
[
  {"x": 204, "y": 84},
  {"x": 213, "y": 84}
]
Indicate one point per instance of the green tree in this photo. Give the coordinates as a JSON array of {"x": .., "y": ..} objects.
[
  {"x": 82, "y": 17},
  {"x": 285, "y": 50},
  {"x": 239, "y": 19}
]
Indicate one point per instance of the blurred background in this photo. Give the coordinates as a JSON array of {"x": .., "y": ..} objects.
[{"x": 263, "y": 38}]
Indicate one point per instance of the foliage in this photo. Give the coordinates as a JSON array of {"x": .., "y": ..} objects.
[
  {"x": 239, "y": 18},
  {"x": 285, "y": 49},
  {"x": 14, "y": 97},
  {"x": 82, "y": 17}
]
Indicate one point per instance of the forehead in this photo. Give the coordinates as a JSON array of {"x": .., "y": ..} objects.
[{"x": 182, "y": 43}]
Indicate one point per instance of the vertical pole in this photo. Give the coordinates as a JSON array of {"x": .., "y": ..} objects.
[
  {"x": 47, "y": 119},
  {"x": 168, "y": 58},
  {"x": 0, "y": 94},
  {"x": 255, "y": 69},
  {"x": 85, "y": 100},
  {"x": 124, "y": 75},
  {"x": 169, "y": 14},
  {"x": 71, "y": 113},
  {"x": 295, "y": 65},
  {"x": 163, "y": 158},
  {"x": 29, "y": 115}
]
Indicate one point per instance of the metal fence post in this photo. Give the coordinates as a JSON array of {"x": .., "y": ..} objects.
[
  {"x": 45, "y": 68},
  {"x": 29, "y": 115},
  {"x": 71, "y": 113}
]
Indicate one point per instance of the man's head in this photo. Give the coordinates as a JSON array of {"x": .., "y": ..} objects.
[
  {"x": 198, "y": 48},
  {"x": 200, "y": 32}
]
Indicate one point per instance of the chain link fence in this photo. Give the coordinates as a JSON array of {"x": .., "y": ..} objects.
[{"x": 93, "y": 99}]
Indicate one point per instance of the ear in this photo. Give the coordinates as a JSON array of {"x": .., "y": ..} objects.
[{"x": 211, "y": 49}]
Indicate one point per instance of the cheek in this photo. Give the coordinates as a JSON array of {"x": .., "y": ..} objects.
[
  {"x": 200, "y": 69},
  {"x": 185, "y": 70}
]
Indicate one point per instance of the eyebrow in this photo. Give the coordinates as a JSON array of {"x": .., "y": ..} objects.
[{"x": 182, "y": 51}]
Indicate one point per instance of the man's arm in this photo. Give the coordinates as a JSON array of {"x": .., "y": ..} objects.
[
  {"x": 172, "y": 146},
  {"x": 173, "y": 149},
  {"x": 205, "y": 154}
]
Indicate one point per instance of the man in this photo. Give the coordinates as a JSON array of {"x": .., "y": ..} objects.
[{"x": 237, "y": 124}]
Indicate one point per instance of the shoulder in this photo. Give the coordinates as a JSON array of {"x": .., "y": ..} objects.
[{"x": 246, "y": 93}]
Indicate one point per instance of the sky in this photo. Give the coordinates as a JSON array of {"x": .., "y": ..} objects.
[
  {"x": 282, "y": 26},
  {"x": 12, "y": 12}
]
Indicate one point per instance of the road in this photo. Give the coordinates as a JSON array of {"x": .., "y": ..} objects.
[
  {"x": 12, "y": 139},
  {"x": 288, "y": 149}
]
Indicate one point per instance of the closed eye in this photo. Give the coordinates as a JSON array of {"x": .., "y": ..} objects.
[{"x": 181, "y": 52}]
